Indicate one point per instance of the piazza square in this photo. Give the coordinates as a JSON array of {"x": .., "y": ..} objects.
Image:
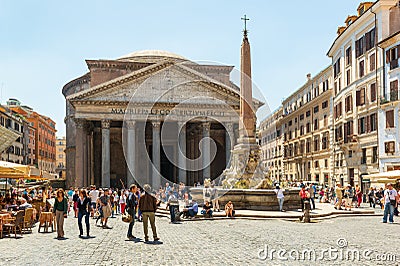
[{"x": 123, "y": 146}]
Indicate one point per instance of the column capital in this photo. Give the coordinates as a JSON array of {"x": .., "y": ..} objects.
[
  {"x": 130, "y": 124},
  {"x": 105, "y": 124},
  {"x": 80, "y": 123},
  {"x": 156, "y": 124},
  {"x": 229, "y": 127},
  {"x": 206, "y": 125}
]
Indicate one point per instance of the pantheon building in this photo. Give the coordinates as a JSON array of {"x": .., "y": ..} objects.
[{"x": 149, "y": 116}]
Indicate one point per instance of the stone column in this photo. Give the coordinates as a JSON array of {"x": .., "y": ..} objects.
[
  {"x": 79, "y": 152},
  {"x": 229, "y": 141},
  {"x": 130, "y": 151},
  {"x": 105, "y": 153},
  {"x": 155, "y": 179},
  {"x": 182, "y": 152},
  {"x": 206, "y": 150}
]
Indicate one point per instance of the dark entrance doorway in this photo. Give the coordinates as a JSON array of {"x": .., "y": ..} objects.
[{"x": 168, "y": 170}]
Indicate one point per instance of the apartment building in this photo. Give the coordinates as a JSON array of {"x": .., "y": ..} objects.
[
  {"x": 389, "y": 104},
  {"x": 270, "y": 131},
  {"x": 307, "y": 130},
  {"x": 357, "y": 75}
]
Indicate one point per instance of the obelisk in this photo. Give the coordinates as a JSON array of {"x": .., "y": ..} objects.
[
  {"x": 247, "y": 115},
  {"x": 246, "y": 170}
]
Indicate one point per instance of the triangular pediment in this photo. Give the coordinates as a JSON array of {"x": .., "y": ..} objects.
[{"x": 165, "y": 82}]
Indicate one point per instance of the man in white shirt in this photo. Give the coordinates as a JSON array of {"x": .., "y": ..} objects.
[
  {"x": 280, "y": 197},
  {"x": 93, "y": 195},
  {"x": 391, "y": 198}
]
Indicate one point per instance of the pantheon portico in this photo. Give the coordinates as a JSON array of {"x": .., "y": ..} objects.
[{"x": 116, "y": 114}]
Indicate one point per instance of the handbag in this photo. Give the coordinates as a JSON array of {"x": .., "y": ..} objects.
[{"x": 127, "y": 218}]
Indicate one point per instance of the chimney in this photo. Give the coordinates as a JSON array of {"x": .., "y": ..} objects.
[{"x": 308, "y": 76}]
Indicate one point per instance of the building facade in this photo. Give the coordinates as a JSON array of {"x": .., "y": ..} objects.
[
  {"x": 118, "y": 111},
  {"x": 307, "y": 131},
  {"x": 389, "y": 111},
  {"x": 270, "y": 132},
  {"x": 43, "y": 130},
  {"x": 60, "y": 156},
  {"x": 357, "y": 75},
  {"x": 13, "y": 126}
]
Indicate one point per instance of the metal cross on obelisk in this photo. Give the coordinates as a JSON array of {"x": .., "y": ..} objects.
[{"x": 245, "y": 19}]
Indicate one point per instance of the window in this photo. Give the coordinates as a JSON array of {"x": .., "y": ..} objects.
[
  {"x": 301, "y": 130},
  {"x": 348, "y": 77},
  {"x": 301, "y": 117},
  {"x": 325, "y": 141},
  {"x": 348, "y": 56},
  {"x": 316, "y": 164},
  {"x": 374, "y": 154},
  {"x": 390, "y": 119},
  {"x": 348, "y": 105},
  {"x": 372, "y": 62},
  {"x": 308, "y": 127},
  {"x": 316, "y": 109},
  {"x": 326, "y": 165},
  {"x": 360, "y": 48},
  {"x": 316, "y": 124},
  {"x": 324, "y": 104},
  {"x": 316, "y": 143},
  {"x": 361, "y": 69},
  {"x": 290, "y": 123},
  {"x": 308, "y": 145},
  {"x": 394, "y": 90},
  {"x": 392, "y": 57},
  {"x": 308, "y": 113},
  {"x": 336, "y": 68},
  {"x": 373, "y": 92},
  {"x": 350, "y": 153},
  {"x": 370, "y": 39},
  {"x": 360, "y": 97},
  {"x": 390, "y": 147},
  {"x": 338, "y": 133},
  {"x": 364, "y": 156},
  {"x": 338, "y": 110},
  {"x": 372, "y": 123},
  {"x": 362, "y": 127},
  {"x": 348, "y": 131}
]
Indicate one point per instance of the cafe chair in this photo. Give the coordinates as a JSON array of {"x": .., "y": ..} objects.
[
  {"x": 28, "y": 219},
  {"x": 15, "y": 223}
]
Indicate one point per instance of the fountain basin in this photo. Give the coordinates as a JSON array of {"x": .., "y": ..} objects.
[{"x": 252, "y": 199}]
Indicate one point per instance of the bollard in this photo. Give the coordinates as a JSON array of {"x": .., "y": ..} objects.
[{"x": 306, "y": 214}]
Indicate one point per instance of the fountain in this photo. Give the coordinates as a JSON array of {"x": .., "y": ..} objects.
[{"x": 246, "y": 182}]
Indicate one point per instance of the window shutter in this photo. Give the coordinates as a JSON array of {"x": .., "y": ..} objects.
[
  {"x": 398, "y": 51},
  {"x": 367, "y": 40},
  {"x": 390, "y": 119},
  {"x": 351, "y": 128},
  {"x": 359, "y": 126},
  {"x": 362, "y": 96},
  {"x": 357, "y": 98},
  {"x": 368, "y": 126},
  {"x": 387, "y": 56}
]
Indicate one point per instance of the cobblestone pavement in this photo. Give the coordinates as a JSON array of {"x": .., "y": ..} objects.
[{"x": 219, "y": 242}]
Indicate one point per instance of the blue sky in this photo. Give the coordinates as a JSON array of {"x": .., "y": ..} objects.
[{"x": 43, "y": 44}]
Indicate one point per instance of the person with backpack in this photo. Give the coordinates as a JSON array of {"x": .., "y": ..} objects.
[
  {"x": 131, "y": 205},
  {"x": 390, "y": 198}
]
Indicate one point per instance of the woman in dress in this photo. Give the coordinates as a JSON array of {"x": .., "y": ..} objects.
[
  {"x": 60, "y": 210},
  {"x": 83, "y": 211}
]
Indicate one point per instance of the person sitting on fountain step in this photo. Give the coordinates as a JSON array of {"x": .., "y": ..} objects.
[
  {"x": 230, "y": 212},
  {"x": 191, "y": 211},
  {"x": 207, "y": 210}
]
